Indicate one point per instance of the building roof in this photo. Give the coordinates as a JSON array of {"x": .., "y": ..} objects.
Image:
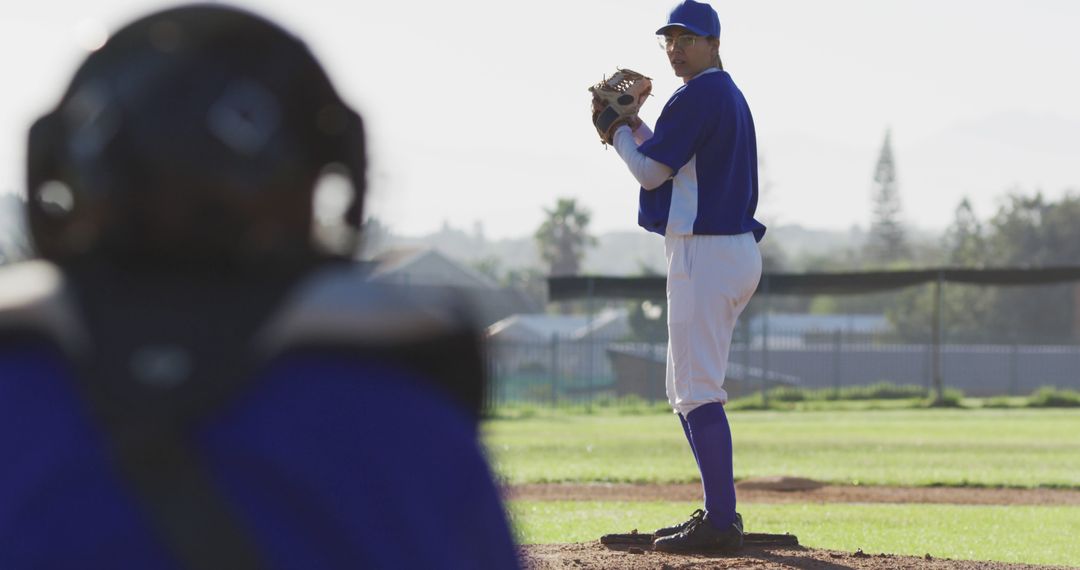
[
  {"x": 427, "y": 266},
  {"x": 798, "y": 323},
  {"x": 546, "y": 326}
]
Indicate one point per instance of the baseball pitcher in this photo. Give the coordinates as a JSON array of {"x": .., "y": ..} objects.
[{"x": 699, "y": 189}]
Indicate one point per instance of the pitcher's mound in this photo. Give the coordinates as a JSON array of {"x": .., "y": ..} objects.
[
  {"x": 779, "y": 483},
  {"x": 596, "y": 556}
]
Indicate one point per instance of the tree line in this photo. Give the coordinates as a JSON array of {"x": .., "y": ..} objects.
[{"x": 1027, "y": 230}]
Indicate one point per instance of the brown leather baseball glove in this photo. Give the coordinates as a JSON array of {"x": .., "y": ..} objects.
[{"x": 616, "y": 101}]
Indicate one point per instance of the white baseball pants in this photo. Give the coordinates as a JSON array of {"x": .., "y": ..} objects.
[{"x": 710, "y": 280}]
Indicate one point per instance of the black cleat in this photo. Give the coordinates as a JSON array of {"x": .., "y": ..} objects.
[
  {"x": 670, "y": 530},
  {"x": 700, "y": 536}
]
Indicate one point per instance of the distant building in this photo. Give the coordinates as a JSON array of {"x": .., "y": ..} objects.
[
  {"x": 797, "y": 329},
  {"x": 554, "y": 353},
  {"x": 609, "y": 324},
  {"x": 429, "y": 267}
]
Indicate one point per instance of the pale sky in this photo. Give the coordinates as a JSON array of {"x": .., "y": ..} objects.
[{"x": 477, "y": 110}]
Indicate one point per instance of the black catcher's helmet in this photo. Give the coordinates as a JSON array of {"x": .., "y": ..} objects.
[{"x": 198, "y": 132}]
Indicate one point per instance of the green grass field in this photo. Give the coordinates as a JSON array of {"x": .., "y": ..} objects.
[
  {"x": 985, "y": 447},
  {"x": 989, "y": 447},
  {"x": 1036, "y": 535}
]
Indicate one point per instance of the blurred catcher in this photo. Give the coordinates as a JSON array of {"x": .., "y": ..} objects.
[{"x": 187, "y": 379}]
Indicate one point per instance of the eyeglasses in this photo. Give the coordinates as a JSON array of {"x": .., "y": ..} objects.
[{"x": 667, "y": 43}]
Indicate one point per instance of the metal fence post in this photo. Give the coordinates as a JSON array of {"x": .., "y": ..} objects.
[
  {"x": 748, "y": 339},
  {"x": 928, "y": 368},
  {"x": 590, "y": 345},
  {"x": 1014, "y": 372},
  {"x": 939, "y": 309},
  {"x": 491, "y": 372},
  {"x": 837, "y": 382},
  {"x": 651, "y": 379},
  {"x": 554, "y": 369},
  {"x": 765, "y": 344}
]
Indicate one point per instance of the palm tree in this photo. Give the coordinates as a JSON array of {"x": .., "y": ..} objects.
[{"x": 563, "y": 237}]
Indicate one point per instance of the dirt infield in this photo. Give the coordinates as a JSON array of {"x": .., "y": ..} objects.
[
  {"x": 593, "y": 555},
  {"x": 596, "y": 556}
]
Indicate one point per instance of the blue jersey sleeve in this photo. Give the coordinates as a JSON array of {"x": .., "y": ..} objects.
[{"x": 680, "y": 129}]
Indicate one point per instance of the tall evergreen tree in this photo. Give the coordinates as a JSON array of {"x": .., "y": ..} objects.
[{"x": 887, "y": 241}]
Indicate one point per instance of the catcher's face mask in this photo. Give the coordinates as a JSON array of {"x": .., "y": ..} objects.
[{"x": 197, "y": 132}]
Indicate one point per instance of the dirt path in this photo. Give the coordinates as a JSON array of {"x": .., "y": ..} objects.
[
  {"x": 824, "y": 494},
  {"x": 593, "y": 555}
]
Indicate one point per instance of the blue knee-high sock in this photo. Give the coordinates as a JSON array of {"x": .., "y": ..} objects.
[
  {"x": 690, "y": 440},
  {"x": 711, "y": 439}
]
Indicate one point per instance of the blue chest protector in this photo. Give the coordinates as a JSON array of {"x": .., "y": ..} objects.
[{"x": 338, "y": 432}]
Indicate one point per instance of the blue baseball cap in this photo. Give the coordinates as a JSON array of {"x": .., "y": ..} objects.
[{"x": 698, "y": 17}]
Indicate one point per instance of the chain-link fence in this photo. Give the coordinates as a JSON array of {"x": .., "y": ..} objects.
[{"x": 983, "y": 339}]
